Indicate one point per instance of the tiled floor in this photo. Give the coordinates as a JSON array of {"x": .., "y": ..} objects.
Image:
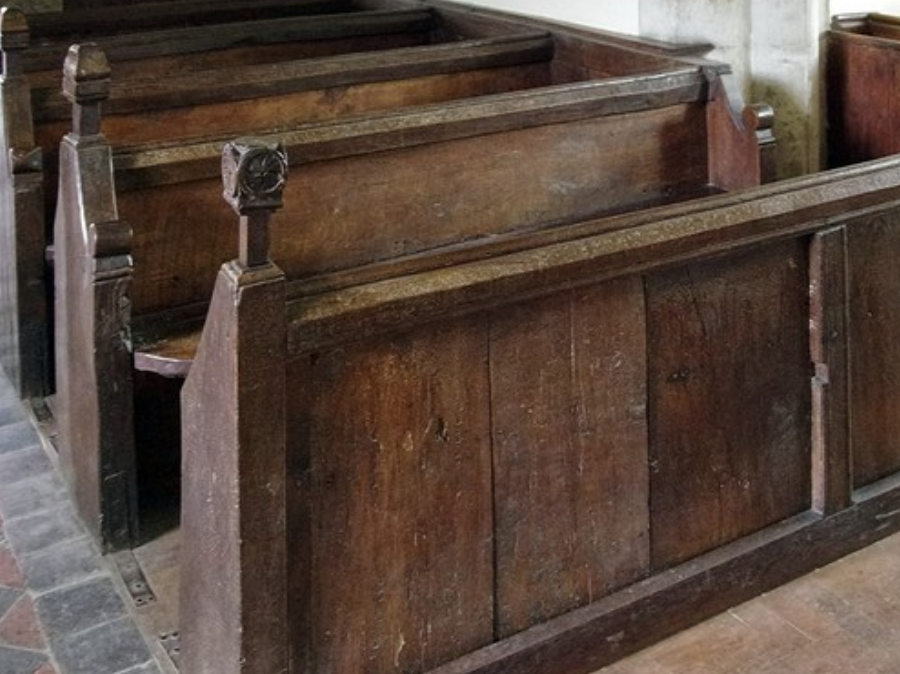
[{"x": 64, "y": 608}]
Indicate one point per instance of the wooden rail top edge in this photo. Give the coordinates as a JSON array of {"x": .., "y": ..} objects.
[
  {"x": 130, "y": 46},
  {"x": 581, "y": 253},
  {"x": 270, "y": 79},
  {"x": 859, "y": 29},
  {"x": 91, "y": 20},
  {"x": 591, "y": 251},
  {"x": 160, "y": 163}
]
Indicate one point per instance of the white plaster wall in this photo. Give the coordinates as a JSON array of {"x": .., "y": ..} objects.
[
  {"x": 856, "y": 6},
  {"x": 614, "y": 15}
]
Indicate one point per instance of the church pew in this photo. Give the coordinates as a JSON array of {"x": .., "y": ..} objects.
[
  {"x": 861, "y": 87},
  {"x": 78, "y": 24},
  {"x": 378, "y": 187},
  {"x": 536, "y": 457},
  {"x": 182, "y": 104}
]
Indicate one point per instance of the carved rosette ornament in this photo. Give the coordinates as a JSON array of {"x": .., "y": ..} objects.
[{"x": 253, "y": 173}]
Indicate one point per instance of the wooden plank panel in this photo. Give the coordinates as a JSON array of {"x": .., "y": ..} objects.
[
  {"x": 411, "y": 200},
  {"x": 397, "y": 475},
  {"x": 568, "y": 389},
  {"x": 373, "y": 207},
  {"x": 729, "y": 398},
  {"x": 873, "y": 247}
]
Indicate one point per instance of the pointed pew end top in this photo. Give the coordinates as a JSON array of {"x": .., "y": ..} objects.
[
  {"x": 86, "y": 74},
  {"x": 14, "y": 32}
]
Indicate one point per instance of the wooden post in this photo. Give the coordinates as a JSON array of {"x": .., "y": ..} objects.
[
  {"x": 233, "y": 575},
  {"x": 93, "y": 347},
  {"x": 24, "y": 336},
  {"x": 829, "y": 335}
]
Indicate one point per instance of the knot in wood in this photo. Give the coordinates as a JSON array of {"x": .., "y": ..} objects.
[
  {"x": 253, "y": 174},
  {"x": 13, "y": 29},
  {"x": 86, "y": 74}
]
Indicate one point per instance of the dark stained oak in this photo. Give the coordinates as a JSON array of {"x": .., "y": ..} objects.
[
  {"x": 376, "y": 140},
  {"x": 622, "y": 426}
]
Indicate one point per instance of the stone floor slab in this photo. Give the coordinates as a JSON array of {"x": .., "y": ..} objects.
[
  {"x": 80, "y": 607},
  {"x": 42, "y": 530},
  {"x": 18, "y": 661},
  {"x": 111, "y": 648},
  {"x": 24, "y": 464},
  {"x": 33, "y": 495},
  {"x": 16, "y": 436},
  {"x": 68, "y": 563}
]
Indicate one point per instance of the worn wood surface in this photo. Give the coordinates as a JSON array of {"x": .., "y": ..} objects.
[
  {"x": 675, "y": 343},
  {"x": 861, "y": 65},
  {"x": 829, "y": 345},
  {"x": 396, "y": 494},
  {"x": 571, "y": 484},
  {"x": 874, "y": 321},
  {"x": 396, "y": 126},
  {"x": 729, "y": 399}
]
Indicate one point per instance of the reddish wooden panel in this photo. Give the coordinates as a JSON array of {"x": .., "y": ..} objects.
[
  {"x": 729, "y": 398},
  {"x": 873, "y": 248},
  {"x": 393, "y": 491},
  {"x": 862, "y": 78},
  {"x": 568, "y": 387}
]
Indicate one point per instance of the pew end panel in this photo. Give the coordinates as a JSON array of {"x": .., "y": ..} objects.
[
  {"x": 622, "y": 418},
  {"x": 24, "y": 333},
  {"x": 92, "y": 278}
]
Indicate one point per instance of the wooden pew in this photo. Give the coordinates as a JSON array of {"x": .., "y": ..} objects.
[
  {"x": 571, "y": 142},
  {"x": 35, "y": 119},
  {"x": 862, "y": 54},
  {"x": 78, "y": 24},
  {"x": 542, "y": 457}
]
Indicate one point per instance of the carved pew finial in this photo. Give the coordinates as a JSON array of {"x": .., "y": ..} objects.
[
  {"x": 14, "y": 38},
  {"x": 86, "y": 85},
  {"x": 253, "y": 174}
]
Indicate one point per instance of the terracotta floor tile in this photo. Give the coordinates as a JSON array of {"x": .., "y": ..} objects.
[
  {"x": 10, "y": 574},
  {"x": 19, "y": 627}
]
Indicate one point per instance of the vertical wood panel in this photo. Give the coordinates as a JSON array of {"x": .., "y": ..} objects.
[
  {"x": 729, "y": 397},
  {"x": 568, "y": 388},
  {"x": 828, "y": 345},
  {"x": 399, "y": 524},
  {"x": 873, "y": 249}
]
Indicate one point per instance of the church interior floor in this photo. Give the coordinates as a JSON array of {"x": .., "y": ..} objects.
[{"x": 65, "y": 609}]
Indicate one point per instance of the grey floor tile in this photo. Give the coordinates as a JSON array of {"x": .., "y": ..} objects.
[
  {"x": 24, "y": 464},
  {"x": 146, "y": 668},
  {"x": 17, "y": 661},
  {"x": 77, "y": 608},
  {"x": 8, "y": 597},
  {"x": 41, "y": 530},
  {"x": 111, "y": 648},
  {"x": 11, "y": 413},
  {"x": 68, "y": 563},
  {"x": 17, "y": 435},
  {"x": 33, "y": 495}
]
